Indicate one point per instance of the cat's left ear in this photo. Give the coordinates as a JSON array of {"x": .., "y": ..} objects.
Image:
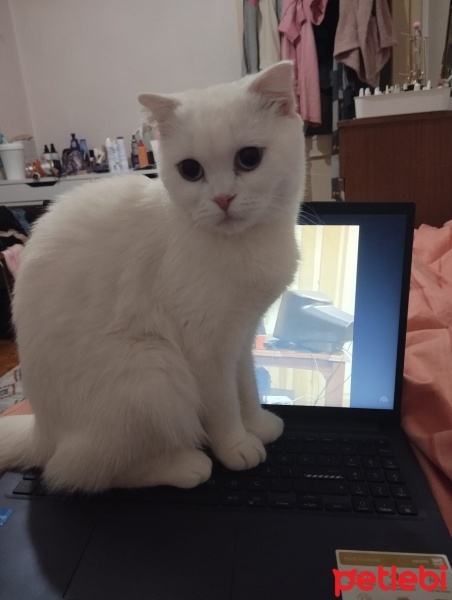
[
  {"x": 275, "y": 85},
  {"x": 162, "y": 109}
]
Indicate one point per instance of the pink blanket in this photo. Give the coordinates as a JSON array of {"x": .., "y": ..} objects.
[{"x": 427, "y": 396}]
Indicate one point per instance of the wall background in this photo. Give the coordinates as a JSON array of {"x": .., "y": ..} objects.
[{"x": 79, "y": 66}]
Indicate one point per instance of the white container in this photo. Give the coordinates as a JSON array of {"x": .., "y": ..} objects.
[
  {"x": 402, "y": 103},
  {"x": 13, "y": 160},
  {"x": 124, "y": 163}
]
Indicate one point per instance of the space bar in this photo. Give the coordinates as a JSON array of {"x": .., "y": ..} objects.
[{"x": 165, "y": 495}]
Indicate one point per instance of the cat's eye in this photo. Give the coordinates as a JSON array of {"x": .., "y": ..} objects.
[
  {"x": 190, "y": 169},
  {"x": 248, "y": 158}
]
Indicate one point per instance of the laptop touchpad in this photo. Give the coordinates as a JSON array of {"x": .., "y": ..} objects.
[{"x": 167, "y": 555}]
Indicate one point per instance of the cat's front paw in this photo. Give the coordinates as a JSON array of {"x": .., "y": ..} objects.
[
  {"x": 266, "y": 426},
  {"x": 245, "y": 453}
]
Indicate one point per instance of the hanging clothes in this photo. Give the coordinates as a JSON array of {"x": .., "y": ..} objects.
[
  {"x": 364, "y": 37},
  {"x": 251, "y": 35},
  {"x": 298, "y": 45},
  {"x": 269, "y": 38},
  {"x": 258, "y": 22}
]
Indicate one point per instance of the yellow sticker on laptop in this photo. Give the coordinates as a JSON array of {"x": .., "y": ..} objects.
[{"x": 363, "y": 575}]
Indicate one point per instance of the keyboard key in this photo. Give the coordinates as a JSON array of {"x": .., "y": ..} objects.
[
  {"x": 232, "y": 499},
  {"x": 366, "y": 450},
  {"x": 257, "y": 483},
  {"x": 358, "y": 489},
  {"x": 268, "y": 470},
  {"x": 379, "y": 490},
  {"x": 284, "y": 459},
  {"x": 306, "y": 460},
  {"x": 327, "y": 448},
  {"x": 293, "y": 447},
  {"x": 362, "y": 505},
  {"x": 291, "y": 472},
  {"x": 406, "y": 507},
  {"x": 280, "y": 485},
  {"x": 384, "y": 506},
  {"x": 394, "y": 477},
  {"x": 309, "y": 502},
  {"x": 354, "y": 474},
  {"x": 385, "y": 451},
  {"x": 234, "y": 483},
  {"x": 389, "y": 463},
  {"x": 256, "y": 499},
  {"x": 375, "y": 475},
  {"x": 282, "y": 501},
  {"x": 338, "y": 506},
  {"x": 400, "y": 491},
  {"x": 351, "y": 462},
  {"x": 370, "y": 462},
  {"x": 348, "y": 449}
]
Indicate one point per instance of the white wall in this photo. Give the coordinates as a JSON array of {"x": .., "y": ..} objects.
[
  {"x": 85, "y": 62},
  {"x": 14, "y": 114},
  {"x": 434, "y": 24}
]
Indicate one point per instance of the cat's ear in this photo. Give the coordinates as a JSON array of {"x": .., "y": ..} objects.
[
  {"x": 275, "y": 86},
  {"x": 162, "y": 110}
]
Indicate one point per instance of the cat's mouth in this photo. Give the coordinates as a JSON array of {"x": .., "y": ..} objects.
[{"x": 231, "y": 222}]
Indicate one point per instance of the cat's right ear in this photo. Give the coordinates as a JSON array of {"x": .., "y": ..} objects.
[
  {"x": 275, "y": 86},
  {"x": 162, "y": 110}
]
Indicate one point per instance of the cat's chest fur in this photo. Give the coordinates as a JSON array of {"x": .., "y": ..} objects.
[{"x": 224, "y": 283}]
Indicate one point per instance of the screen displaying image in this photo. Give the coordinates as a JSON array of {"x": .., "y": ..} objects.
[{"x": 304, "y": 344}]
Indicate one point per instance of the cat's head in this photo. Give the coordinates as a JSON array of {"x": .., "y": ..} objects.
[{"x": 232, "y": 155}]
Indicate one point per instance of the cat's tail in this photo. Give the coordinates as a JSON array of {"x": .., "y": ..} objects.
[{"x": 17, "y": 447}]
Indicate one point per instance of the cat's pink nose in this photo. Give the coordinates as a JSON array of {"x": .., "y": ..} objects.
[{"x": 224, "y": 201}]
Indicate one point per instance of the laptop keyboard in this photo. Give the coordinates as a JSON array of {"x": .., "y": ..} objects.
[{"x": 309, "y": 474}]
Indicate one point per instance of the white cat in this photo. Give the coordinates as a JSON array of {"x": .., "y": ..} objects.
[{"x": 137, "y": 300}]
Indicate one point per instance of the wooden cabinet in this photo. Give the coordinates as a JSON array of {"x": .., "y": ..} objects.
[{"x": 400, "y": 157}]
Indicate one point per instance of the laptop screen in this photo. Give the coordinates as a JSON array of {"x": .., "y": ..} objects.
[{"x": 336, "y": 337}]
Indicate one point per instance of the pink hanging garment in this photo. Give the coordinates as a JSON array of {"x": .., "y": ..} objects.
[{"x": 298, "y": 45}]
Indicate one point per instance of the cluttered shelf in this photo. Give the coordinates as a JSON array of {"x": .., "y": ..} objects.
[{"x": 27, "y": 192}]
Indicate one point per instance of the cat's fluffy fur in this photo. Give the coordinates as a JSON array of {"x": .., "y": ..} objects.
[{"x": 137, "y": 300}]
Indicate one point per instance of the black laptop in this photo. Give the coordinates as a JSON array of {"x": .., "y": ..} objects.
[{"x": 342, "y": 482}]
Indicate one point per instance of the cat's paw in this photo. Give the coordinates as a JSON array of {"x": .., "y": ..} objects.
[
  {"x": 266, "y": 426},
  {"x": 188, "y": 469},
  {"x": 245, "y": 453}
]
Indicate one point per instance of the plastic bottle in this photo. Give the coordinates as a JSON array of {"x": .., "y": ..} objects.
[
  {"x": 134, "y": 154},
  {"x": 46, "y": 154},
  {"x": 142, "y": 154},
  {"x": 123, "y": 162},
  {"x": 85, "y": 153},
  {"x": 74, "y": 145},
  {"x": 55, "y": 159},
  {"x": 112, "y": 165}
]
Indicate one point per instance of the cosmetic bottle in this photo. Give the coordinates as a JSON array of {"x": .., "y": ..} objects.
[
  {"x": 85, "y": 154},
  {"x": 56, "y": 159},
  {"x": 142, "y": 154},
  {"x": 46, "y": 154},
  {"x": 111, "y": 158},
  {"x": 134, "y": 154},
  {"x": 74, "y": 145},
  {"x": 123, "y": 162}
]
